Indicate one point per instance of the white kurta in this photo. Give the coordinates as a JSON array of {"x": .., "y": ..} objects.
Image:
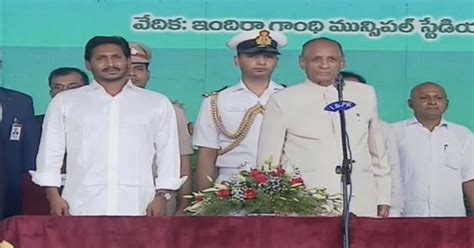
[
  {"x": 233, "y": 103},
  {"x": 110, "y": 143},
  {"x": 298, "y": 131},
  {"x": 434, "y": 165}
]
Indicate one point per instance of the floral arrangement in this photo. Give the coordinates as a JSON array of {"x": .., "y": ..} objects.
[{"x": 263, "y": 191}]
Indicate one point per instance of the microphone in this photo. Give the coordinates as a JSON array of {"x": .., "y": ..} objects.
[
  {"x": 340, "y": 105},
  {"x": 345, "y": 168},
  {"x": 339, "y": 82}
]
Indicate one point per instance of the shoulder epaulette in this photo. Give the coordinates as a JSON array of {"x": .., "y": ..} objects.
[{"x": 214, "y": 92}]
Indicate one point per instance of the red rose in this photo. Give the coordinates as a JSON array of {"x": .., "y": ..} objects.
[
  {"x": 259, "y": 176},
  {"x": 261, "y": 179},
  {"x": 250, "y": 194},
  {"x": 298, "y": 181},
  {"x": 255, "y": 172},
  {"x": 278, "y": 172},
  {"x": 222, "y": 194}
]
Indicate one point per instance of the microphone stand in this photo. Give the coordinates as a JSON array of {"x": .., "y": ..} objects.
[{"x": 345, "y": 170}]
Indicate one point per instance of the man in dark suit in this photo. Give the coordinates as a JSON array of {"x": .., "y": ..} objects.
[{"x": 19, "y": 136}]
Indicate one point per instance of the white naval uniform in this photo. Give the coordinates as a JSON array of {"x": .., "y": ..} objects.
[{"x": 233, "y": 102}]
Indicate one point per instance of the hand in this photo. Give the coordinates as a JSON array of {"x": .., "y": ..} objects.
[
  {"x": 57, "y": 205},
  {"x": 383, "y": 210},
  {"x": 157, "y": 207},
  {"x": 180, "y": 212},
  {"x": 183, "y": 203}
]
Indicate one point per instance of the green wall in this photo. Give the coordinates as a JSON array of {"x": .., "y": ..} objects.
[{"x": 37, "y": 36}]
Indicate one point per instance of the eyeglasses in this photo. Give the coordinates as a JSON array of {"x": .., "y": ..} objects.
[{"x": 63, "y": 87}]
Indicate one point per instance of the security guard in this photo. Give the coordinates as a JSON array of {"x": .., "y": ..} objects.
[
  {"x": 140, "y": 74},
  {"x": 228, "y": 124}
]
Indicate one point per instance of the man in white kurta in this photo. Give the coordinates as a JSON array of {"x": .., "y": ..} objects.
[
  {"x": 437, "y": 163},
  {"x": 110, "y": 143},
  {"x": 434, "y": 167},
  {"x": 297, "y": 131},
  {"x": 111, "y": 132}
]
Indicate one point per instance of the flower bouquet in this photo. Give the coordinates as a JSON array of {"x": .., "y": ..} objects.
[{"x": 273, "y": 191}]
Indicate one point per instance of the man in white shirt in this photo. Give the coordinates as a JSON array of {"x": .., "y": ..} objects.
[
  {"x": 437, "y": 164},
  {"x": 111, "y": 131},
  {"x": 228, "y": 124},
  {"x": 297, "y": 131},
  {"x": 392, "y": 153}
]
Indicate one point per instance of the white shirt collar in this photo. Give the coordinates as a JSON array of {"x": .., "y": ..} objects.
[
  {"x": 414, "y": 121},
  {"x": 94, "y": 85},
  {"x": 241, "y": 86}
]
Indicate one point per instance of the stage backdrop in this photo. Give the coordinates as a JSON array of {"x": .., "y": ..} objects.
[{"x": 393, "y": 44}]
